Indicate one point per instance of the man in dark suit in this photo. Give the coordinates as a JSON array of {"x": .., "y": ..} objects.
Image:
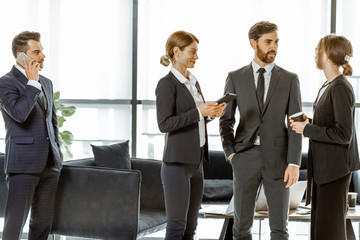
[
  {"x": 263, "y": 149},
  {"x": 33, "y": 158}
]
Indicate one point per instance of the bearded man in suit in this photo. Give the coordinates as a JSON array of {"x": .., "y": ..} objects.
[{"x": 263, "y": 150}]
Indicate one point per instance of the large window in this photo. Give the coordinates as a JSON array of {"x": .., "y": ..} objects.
[
  {"x": 348, "y": 23},
  {"x": 89, "y": 47},
  {"x": 222, "y": 28}
]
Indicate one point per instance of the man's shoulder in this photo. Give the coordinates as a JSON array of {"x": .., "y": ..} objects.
[
  {"x": 284, "y": 71},
  {"x": 241, "y": 70},
  {"x": 43, "y": 78},
  {"x": 7, "y": 78}
]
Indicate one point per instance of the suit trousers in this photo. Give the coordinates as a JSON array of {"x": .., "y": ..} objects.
[
  {"x": 37, "y": 191},
  {"x": 328, "y": 209},
  {"x": 183, "y": 189},
  {"x": 248, "y": 174}
]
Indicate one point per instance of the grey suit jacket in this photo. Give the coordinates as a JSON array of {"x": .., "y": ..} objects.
[
  {"x": 333, "y": 150},
  {"x": 178, "y": 118},
  {"x": 279, "y": 144},
  {"x": 31, "y": 131}
]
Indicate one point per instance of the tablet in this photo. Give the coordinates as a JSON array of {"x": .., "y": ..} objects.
[{"x": 228, "y": 97}]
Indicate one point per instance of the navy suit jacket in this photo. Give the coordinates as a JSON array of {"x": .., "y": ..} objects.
[{"x": 31, "y": 130}]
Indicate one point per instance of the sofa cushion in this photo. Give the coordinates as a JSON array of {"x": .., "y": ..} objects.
[
  {"x": 151, "y": 221},
  {"x": 112, "y": 156},
  {"x": 217, "y": 189}
]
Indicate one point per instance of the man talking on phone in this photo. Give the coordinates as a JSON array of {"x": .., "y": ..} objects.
[{"x": 32, "y": 154}]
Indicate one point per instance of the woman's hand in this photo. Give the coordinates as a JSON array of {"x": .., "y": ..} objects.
[
  {"x": 298, "y": 127},
  {"x": 213, "y": 110}
]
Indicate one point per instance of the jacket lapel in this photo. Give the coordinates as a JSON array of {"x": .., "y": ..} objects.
[{"x": 275, "y": 76}]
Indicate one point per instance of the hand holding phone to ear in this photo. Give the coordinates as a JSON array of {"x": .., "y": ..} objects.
[
  {"x": 31, "y": 70},
  {"x": 31, "y": 67}
]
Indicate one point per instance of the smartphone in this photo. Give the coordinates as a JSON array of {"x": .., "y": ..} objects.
[
  {"x": 228, "y": 97},
  {"x": 19, "y": 59}
]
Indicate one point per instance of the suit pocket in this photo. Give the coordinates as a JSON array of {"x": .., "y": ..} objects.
[{"x": 23, "y": 140}]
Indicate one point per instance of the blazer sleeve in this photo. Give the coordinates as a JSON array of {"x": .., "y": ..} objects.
[
  {"x": 227, "y": 120},
  {"x": 168, "y": 119},
  {"x": 18, "y": 105},
  {"x": 341, "y": 132},
  {"x": 294, "y": 139}
]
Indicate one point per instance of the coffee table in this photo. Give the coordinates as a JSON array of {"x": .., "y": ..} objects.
[{"x": 217, "y": 211}]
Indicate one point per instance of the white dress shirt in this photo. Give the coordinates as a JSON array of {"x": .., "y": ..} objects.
[{"x": 190, "y": 85}]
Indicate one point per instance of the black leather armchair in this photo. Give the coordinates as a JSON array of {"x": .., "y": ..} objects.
[
  {"x": 107, "y": 203},
  {"x": 97, "y": 202}
]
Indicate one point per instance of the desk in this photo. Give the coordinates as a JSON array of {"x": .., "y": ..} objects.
[{"x": 353, "y": 215}]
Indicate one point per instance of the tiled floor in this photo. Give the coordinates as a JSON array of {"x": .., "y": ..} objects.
[{"x": 209, "y": 229}]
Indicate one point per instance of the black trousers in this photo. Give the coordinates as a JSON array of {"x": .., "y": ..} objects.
[
  {"x": 328, "y": 209},
  {"x": 37, "y": 191},
  {"x": 183, "y": 190}
]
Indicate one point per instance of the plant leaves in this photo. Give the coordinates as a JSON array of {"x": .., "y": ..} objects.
[
  {"x": 67, "y": 137},
  {"x": 56, "y": 95}
]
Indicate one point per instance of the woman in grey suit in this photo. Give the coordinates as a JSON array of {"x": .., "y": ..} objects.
[
  {"x": 182, "y": 115},
  {"x": 333, "y": 151}
]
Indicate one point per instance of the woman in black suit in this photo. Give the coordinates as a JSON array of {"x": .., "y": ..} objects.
[
  {"x": 333, "y": 152},
  {"x": 182, "y": 115}
]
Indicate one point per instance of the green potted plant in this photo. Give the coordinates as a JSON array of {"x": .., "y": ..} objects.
[{"x": 65, "y": 137}]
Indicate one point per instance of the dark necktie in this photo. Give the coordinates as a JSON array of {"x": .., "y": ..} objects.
[
  {"x": 41, "y": 99},
  {"x": 260, "y": 88}
]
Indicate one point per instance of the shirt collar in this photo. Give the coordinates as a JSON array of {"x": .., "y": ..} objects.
[
  {"x": 268, "y": 68},
  {"x": 21, "y": 70},
  {"x": 181, "y": 78}
]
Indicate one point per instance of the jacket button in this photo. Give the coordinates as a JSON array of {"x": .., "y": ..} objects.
[{"x": 47, "y": 138}]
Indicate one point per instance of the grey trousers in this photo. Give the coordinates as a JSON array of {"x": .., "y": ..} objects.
[
  {"x": 249, "y": 173},
  {"x": 183, "y": 189}
]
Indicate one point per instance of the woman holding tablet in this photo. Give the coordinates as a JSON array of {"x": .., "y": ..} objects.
[{"x": 182, "y": 114}]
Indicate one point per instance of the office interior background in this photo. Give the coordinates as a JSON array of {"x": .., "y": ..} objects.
[{"x": 103, "y": 56}]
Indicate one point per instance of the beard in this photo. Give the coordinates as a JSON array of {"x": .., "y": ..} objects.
[
  {"x": 40, "y": 64},
  {"x": 264, "y": 56}
]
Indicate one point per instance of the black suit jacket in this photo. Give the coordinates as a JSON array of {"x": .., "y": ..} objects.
[
  {"x": 178, "y": 118},
  {"x": 31, "y": 130},
  {"x": 279, "y": 144},
  {"x": 333, "y": 149}
]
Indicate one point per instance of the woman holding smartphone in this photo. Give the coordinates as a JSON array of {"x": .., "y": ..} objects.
[
  {"x": 333, "y": 151},
  {"x": 182, "y": 114}
]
